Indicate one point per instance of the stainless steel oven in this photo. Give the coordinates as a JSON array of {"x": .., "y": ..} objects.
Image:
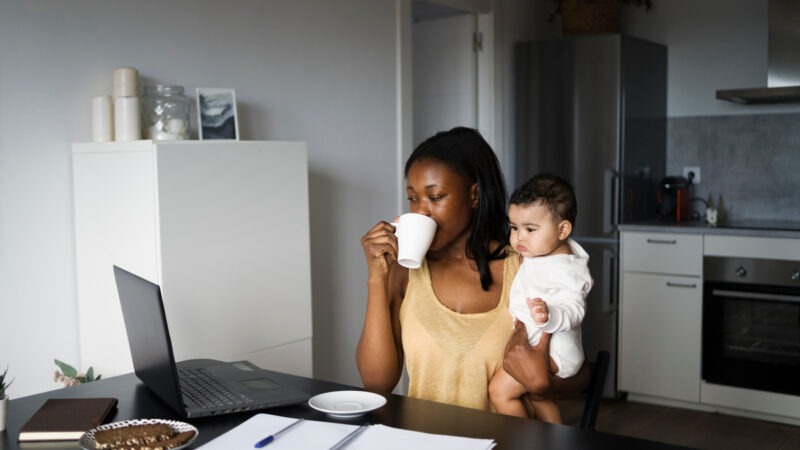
[{"x": 751, "y": 323}]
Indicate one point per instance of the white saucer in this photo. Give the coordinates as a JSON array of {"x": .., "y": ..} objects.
[{"x": 346, "y": 403}]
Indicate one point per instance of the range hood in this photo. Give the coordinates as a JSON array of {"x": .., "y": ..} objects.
[{"x": 783, "y": 59}]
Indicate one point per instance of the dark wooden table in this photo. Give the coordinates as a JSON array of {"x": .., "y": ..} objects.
[{"x": 137, "y": 401}]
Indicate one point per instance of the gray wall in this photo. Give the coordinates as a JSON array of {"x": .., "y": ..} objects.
[
  {"x": 751, "y": 162},
  {"x": 317, "y": 71}
]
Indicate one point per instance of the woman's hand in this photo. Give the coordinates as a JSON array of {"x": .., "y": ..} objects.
[
  {"x": 528, "y": 365},
  {"x": 380, "y": 249},
  {"x": 379, "y": 355}
]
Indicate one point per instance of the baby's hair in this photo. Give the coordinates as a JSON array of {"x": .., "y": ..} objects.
[{"x": 552, "y": 191}]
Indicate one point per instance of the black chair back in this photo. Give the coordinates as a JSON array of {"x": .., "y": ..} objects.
[{"x": 595, "y": 390}]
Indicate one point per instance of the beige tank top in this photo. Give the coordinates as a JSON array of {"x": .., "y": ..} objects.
[{"x": 451, "y": 357}]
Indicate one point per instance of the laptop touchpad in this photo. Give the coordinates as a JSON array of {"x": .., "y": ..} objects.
[{"x": 258, "y": 384}]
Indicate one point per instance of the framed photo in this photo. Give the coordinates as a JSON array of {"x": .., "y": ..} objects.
[{"x": 216, "y": 111}]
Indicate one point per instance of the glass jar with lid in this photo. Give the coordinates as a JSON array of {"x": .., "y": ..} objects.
[{"x": 165, "y": 113}]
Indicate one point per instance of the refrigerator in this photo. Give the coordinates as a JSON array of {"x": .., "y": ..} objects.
[{"x": 593, "y": 110}]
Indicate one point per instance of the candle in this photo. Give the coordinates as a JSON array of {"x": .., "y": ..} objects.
[
  {"x": 102, "y": 123},
  {"x": 126, "y": 82},
  {"x": 127, "y": 125}
]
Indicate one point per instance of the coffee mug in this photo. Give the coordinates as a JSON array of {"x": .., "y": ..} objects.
[{"x": 414, "y": 236}]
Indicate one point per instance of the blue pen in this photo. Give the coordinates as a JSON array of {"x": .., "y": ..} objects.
[{"x": 272, "y": 437}]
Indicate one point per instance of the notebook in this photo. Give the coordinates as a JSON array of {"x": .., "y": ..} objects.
[
  {"x": 197, "y": 387},
  {"x": 330, "y": 435},
  {"x": 66, "y": 419}
]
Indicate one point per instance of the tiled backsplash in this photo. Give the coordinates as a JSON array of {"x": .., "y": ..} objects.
[{"x": 751, "y": 161}]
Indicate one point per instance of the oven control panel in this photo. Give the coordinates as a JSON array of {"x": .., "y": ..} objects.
[{"x": 775, "y": 272}]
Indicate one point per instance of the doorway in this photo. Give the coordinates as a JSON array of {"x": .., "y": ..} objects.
[{"x": 444, "y": 69}]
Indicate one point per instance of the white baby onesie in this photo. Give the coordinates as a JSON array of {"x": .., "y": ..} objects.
[{"x": 562, "y": 281}]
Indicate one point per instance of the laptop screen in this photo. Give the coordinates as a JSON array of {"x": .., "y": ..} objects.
[{"x": 148, "y": 336}]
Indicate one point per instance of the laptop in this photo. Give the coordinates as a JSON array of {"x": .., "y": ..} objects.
[{"x": 197, "y": 387}]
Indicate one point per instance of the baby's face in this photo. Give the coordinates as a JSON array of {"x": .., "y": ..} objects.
[{"x": 534, "y": 232}]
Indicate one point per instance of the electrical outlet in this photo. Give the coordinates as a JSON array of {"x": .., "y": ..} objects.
[{"x": 692, "y": 169}]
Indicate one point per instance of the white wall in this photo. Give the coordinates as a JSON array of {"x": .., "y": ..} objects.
[
  {"x": 318, "y": 71},
  {"x": 712, "y": 44}
]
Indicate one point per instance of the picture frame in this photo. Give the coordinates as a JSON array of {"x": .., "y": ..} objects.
[{"x": 217, "y": 118}]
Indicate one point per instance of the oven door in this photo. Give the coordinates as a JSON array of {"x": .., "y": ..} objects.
[{"x": 751, "y": 336}]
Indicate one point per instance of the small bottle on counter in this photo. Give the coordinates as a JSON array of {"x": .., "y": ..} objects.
[{"x": 165, "y": 113}]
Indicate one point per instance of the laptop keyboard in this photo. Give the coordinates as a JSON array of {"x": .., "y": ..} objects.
[{"x": 205, "y": 390}]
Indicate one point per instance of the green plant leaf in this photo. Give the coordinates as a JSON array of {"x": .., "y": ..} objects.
[
  {"x": 90, "y": 374},
  {"x": 81, "y": 379},
  {"x": 66, "y": 369},
  {"x": 98, "y": 377},
  {"x": 3, "y": 383}
]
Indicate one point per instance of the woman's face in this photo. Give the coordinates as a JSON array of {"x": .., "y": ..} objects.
[{"x": 437, "y": 191}]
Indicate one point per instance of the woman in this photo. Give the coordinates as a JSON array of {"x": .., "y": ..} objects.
[{"x": 449, "y": 319}]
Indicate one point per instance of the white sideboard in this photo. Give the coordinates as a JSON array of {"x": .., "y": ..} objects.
[{"x": 221, "y": 226}]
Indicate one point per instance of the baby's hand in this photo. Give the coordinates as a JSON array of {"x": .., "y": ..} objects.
[{"x": 539, "y": 311}]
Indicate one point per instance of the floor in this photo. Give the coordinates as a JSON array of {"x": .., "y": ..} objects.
[{"x": 685, "y": 427}]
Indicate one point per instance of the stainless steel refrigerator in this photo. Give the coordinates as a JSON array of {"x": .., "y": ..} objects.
[{"x": 593, "y": 110}]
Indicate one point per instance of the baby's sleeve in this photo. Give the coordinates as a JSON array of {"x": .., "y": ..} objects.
[
  {"x": 566, "y": 310},
  {"x": 567, "y": 303}
]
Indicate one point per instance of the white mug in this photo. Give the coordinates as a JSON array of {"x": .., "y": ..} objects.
[{"x": 414, "y": 236}]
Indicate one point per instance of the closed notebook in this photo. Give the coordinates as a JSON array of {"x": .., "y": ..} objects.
[{"x": 66, "y": 419}]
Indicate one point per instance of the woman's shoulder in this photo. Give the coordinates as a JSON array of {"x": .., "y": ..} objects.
[{"x": 513, "y": 260}]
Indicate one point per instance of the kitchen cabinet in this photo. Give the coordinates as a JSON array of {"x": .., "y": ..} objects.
[
  {"x": 660, "y": 315},
  {"x": 221, "y": 226},
  {"x": 665, "y": 272}
]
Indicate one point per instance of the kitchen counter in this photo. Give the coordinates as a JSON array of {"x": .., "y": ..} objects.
[{"x": 782, "y": 229}]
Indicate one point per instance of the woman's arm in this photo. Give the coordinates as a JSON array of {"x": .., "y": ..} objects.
[
  {"x": 526, "y": 364},
  {"x": 379, "y": 355}
]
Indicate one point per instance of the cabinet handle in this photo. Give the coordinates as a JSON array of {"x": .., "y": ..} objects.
[
  {"x": 661, "y": 241},
  {"x": 691, "y": 286}
]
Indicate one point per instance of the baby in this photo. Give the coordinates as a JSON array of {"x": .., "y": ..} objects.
[{"x": 555, "y": 274}]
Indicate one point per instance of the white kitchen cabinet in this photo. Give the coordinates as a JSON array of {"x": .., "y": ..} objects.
[
  {"x": 679, "y": 254},
  {"x": 222, "y": 227},
  {"x": 660, "y": 315},
  {"x": 660, "y": 335}
]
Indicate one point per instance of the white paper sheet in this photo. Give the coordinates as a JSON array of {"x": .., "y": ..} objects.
[
  {"x": 313, "y": 434},
  {"x": 388, "y": 438}
]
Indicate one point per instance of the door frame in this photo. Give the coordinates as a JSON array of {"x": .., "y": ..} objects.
[{"x": 487, "y": 109}]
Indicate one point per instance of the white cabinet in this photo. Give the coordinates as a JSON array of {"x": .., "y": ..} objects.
[
  {"x": 660, "y": 315},
  {"x": 223, "y": 227},
  {"x": 679, "y": 254}
]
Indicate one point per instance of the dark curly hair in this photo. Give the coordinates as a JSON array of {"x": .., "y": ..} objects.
[
  {"x": 466, "y": 152},
  {"x": 552, "y": 191}
]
